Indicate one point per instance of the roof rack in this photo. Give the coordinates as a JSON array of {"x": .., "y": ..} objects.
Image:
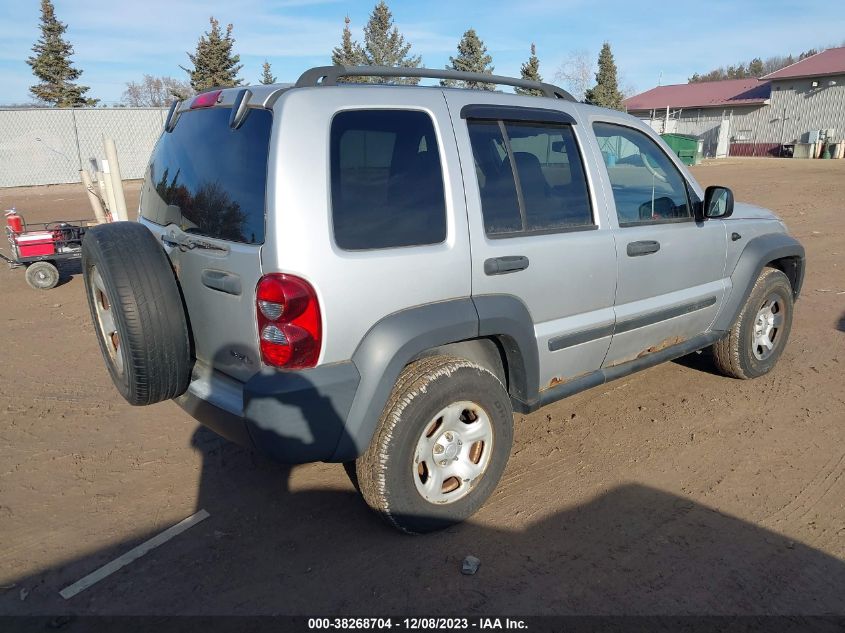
[{"x": 328, "y": 76}]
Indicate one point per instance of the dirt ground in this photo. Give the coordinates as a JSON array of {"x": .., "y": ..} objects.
[{"x": 674, "y": 491}]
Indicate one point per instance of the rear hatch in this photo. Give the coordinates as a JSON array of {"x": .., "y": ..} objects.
[{"x": 204, "y": 197}]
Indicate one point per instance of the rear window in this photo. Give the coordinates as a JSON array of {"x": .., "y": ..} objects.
[
  {"x": 209, "y": 179},
  {"x": 387, "y": 183}
]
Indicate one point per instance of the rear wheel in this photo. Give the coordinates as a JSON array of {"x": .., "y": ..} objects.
[
  {"x": 758, "y": 336},
  {"x": 42, "y": 275},
  {"x": 441, "y": 445},
  {"x": 137, "y": 312}
]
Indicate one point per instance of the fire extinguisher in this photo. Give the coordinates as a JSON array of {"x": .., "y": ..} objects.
[{"x": 14, "y": 221}]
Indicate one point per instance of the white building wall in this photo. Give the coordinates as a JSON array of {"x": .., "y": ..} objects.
[
  {"x": 752, "y": 121},
  {"x": 799, "y": 107},
  {"x": 795, "y": 108}
]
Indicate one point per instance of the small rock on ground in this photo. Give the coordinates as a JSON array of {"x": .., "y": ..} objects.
[{"x": 470, "y": 566}]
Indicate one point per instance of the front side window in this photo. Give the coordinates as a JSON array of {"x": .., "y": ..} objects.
[
  {"x": 647, "y": 187},
  {"x": 530, "y": 177},
  {"x": 386, "y": 180}
]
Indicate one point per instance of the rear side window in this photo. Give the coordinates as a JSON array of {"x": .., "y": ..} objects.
[
  {"x": 387, "y": 182},
  {"x": 209, "y": 179},
  {"x": 530, "y": 178}
]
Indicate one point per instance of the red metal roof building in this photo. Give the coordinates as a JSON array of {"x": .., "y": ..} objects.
[
  {"x": 751, "y": 116},
  {"x": 706, "y": 94},
  {"x": 829, "y": 62}
]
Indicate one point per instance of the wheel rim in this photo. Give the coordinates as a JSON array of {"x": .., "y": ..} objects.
[
  {"x": 105, "y": 318},
  {"x": 767, "y": 326},
  {"x": 453, "y": 452}
]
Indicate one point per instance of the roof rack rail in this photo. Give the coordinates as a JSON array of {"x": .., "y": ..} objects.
[{"x": 328, "y": 76}]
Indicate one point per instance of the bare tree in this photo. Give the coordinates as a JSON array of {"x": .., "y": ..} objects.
[
  {"x": 577, "y": 73},
  {"x": 156, "y": 92}
]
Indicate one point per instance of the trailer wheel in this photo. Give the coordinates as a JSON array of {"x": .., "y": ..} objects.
[
  {"x": 42, "y": 275},
  {"x": 137, "y": 310}
]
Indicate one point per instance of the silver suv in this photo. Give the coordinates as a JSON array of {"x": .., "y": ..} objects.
[{"x": 380, "y": 275}]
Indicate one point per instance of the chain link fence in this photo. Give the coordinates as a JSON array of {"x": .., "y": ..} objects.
[{"x": 41, "y": 146}]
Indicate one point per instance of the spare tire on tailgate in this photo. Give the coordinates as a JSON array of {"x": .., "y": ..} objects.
[{"x": 137, "y": 310}]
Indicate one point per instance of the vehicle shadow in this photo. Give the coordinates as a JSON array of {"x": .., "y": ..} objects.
[
  {"x": 68, "y": 269},
  {"x": 701, "y": 360},
  {"x": 274, "y": 544}
]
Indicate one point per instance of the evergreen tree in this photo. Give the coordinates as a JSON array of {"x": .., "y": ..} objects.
[
  {"x": 267, "y": 76},
  {"x": 384, "y": 45},
  {"x": 755, "y": 67},
  {"x": 215, "y": 65},
  {"x": 472, "y": 57},
  {"x": 531, "y": 71},
  {"x": 606, "y": 91},
  {"x": 349, "y": 51},
  {"x": 52, "y": 66}
]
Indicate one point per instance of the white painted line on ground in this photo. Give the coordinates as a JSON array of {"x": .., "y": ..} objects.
[{"x": 135, "y": 553}]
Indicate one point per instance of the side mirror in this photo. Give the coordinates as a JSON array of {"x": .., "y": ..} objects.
[{"x": 718, "y": 202}]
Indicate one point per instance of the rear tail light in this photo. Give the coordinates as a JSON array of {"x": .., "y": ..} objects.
[{"x": 289, "y": 322}]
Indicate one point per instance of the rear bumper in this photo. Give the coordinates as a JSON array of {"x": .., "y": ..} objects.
[{"x": 293, "y": 417}]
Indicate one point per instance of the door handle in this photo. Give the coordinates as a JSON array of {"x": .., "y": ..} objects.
[
  {"x": 645, "y": 247},
  {"x": 504, "y": 265},
  {"x": 222, "y": 281}
]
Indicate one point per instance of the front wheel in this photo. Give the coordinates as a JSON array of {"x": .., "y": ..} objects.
[
  {"x": 441, "y": 445},
  {"x": 758, "y": 337}
]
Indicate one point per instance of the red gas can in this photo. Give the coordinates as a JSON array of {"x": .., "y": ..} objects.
[{"x": 14, "y": 221}]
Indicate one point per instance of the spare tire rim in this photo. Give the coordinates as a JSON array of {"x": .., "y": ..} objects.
[
  {"x": 767, "y": 326},
  {"x": 105, "y": 318},
  {"x": 453, "y": 452}
]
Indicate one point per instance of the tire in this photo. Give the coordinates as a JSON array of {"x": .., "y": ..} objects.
[
  {"x": 740, "y": 354},
  {"x": 137, "y": 310},
  {"x": 393, "y": 478},
  {"x": 42, "y": 275}
]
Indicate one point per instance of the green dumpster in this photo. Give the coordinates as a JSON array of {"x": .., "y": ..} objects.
[{"x": 688, "y": 148}]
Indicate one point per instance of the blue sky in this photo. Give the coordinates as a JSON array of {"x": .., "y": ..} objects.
[{"x": 120, "y": 41}]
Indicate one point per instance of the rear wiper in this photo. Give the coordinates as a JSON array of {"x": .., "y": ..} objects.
[
  {"x": 192, "y": 243},
  {"x": 186, "y": 243}
]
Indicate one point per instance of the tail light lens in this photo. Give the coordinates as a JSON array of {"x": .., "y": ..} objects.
[{"x": 289, "y": 322}]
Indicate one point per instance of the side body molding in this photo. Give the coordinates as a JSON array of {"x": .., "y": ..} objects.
[{"x": 757, "y": 253}]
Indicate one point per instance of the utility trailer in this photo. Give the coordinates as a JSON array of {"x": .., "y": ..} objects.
[{"x": 40, "y": 246}]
